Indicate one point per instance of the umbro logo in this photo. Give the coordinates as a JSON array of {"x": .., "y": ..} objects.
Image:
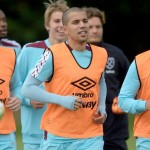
[
  {"x": 2, "y": 81},
  {"x": 84, "y": 83}
]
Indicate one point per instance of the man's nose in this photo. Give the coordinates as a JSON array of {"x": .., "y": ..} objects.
[
  {"x": 83, "y": 24},
  {"x": 60, "y": 23}
]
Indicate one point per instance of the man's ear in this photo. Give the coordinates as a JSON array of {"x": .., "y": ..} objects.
[{"x": 47, "y": 27}]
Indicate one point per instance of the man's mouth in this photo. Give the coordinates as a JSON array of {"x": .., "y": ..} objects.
[
  {"x": 83, "y": 33},
  {"x": 3, "y": 32}
]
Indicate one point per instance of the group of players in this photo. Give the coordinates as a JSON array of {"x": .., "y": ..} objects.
[{"x": 67, "y": 85}]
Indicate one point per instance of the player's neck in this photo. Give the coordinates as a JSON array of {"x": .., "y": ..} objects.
[
  {"x": 78, "y": 46},
  {"x": 52, "y": 41}
]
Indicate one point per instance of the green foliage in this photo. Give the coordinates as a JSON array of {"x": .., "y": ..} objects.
[
  {"x": 25, "y": 23},
  {"x": 25, "y": 20}
]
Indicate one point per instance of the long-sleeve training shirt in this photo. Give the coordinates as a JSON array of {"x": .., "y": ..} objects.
[
  {"x": 30, "y": 117},
  {"x": 128, "y": 92},
  {"x": 14, "y": 87}
]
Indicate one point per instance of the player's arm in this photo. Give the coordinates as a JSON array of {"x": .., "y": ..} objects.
[
  {"x": 42, "y": 72},
  {"x": 24, "y": 62},
  {"x": 23, "y": 70},
  {"x": 122, "y": 68},
  {"x": 102, "y": 95},
  {"x": 14, "y": 100},
  {"x": 127, "y": 95},
  {"x": 100, "y": 116}
]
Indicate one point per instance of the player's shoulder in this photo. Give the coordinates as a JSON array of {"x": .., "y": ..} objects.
[
  {"x": 36, "y": 44},
  {"x": 94, "y": 47},
  {"x": 111, "y": 47},
  {"x": 113, "y": 50},
  {"x": 8, "y": 50},
  {"x": 146, "y": 52},
  {"x": 143, "y": 55},
  {"x": 10, "y": 43}
]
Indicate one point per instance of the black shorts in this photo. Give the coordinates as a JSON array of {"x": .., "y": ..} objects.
[{"x": 115, "y": 145}]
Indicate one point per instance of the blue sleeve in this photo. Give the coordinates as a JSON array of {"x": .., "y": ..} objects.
[
  {"x": 32, "y": 90},
  {"x": 129, "y": 89},
  {"x": 18, "y": 50},
  {"x": 15, "y": 83},
  {"x": 23, "y": 70},
  {"x": 44, "y": 68},
  {"x": 102, "y": 95}
]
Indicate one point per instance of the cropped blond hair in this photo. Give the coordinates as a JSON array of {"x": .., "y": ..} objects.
[{"x": 52, "y": 6}]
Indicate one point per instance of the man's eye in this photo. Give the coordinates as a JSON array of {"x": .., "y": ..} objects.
[
  {"x": 85, "y": 21},
  {"x": 98, "y": 27},
  {"x": 75, "y": 22},
  {"x": 57, "y": 21}
]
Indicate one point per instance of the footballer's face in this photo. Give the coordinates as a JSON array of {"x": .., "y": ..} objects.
[
  {"x": 77, "y": 27},
  {"x": 95, "y": 30},
  {"x": 3, "y": 25},
  {"x": 55, "y": 28}
]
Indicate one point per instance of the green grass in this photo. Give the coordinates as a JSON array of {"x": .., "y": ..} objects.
[
  {"x": 19, "y": 140},
  {"x": 18, "y": 132},
  {"x": 130, "y": 141}
]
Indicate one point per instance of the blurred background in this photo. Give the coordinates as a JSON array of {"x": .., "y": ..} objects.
[{"x": 127, "y": 26}]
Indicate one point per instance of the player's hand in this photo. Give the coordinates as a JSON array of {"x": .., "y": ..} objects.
[
  {"x": 148, "y": 105},
  {"x": 36, "y": 105},
  {"x": 99, "y": 118},
  {"x": 78, "y": 103},
  {"x": 115, "y": 108},
  {"x": 13, "y": 103}
]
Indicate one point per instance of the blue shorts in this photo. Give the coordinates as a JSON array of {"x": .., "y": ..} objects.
[
  {"x": 96, "y": 143},
  {"x": 142, "y": 143},
  {"x": 8, "y": 141},
  {"x": 31, "y": 146}
]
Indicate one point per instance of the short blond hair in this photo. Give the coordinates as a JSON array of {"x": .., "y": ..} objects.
[
  {"x": 95, "y": 12},
  {"x": 52, "y": 6}
]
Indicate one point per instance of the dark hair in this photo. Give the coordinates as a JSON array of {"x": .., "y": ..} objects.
[
  {"x": 95, "y": 12},
  {"x": 67, "y": 12}
]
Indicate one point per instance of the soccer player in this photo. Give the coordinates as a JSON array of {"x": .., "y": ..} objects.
[
  {"x": 5, "y": 42},
  {"x": 3, "y": 34},
  {"x": 30, "y": 54},
  {"x": 9, "y": 89},
  {"x": 134, "y": 97},
  {"x": 75, "y": 80},
  {"x": 116, "y": 124}
]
